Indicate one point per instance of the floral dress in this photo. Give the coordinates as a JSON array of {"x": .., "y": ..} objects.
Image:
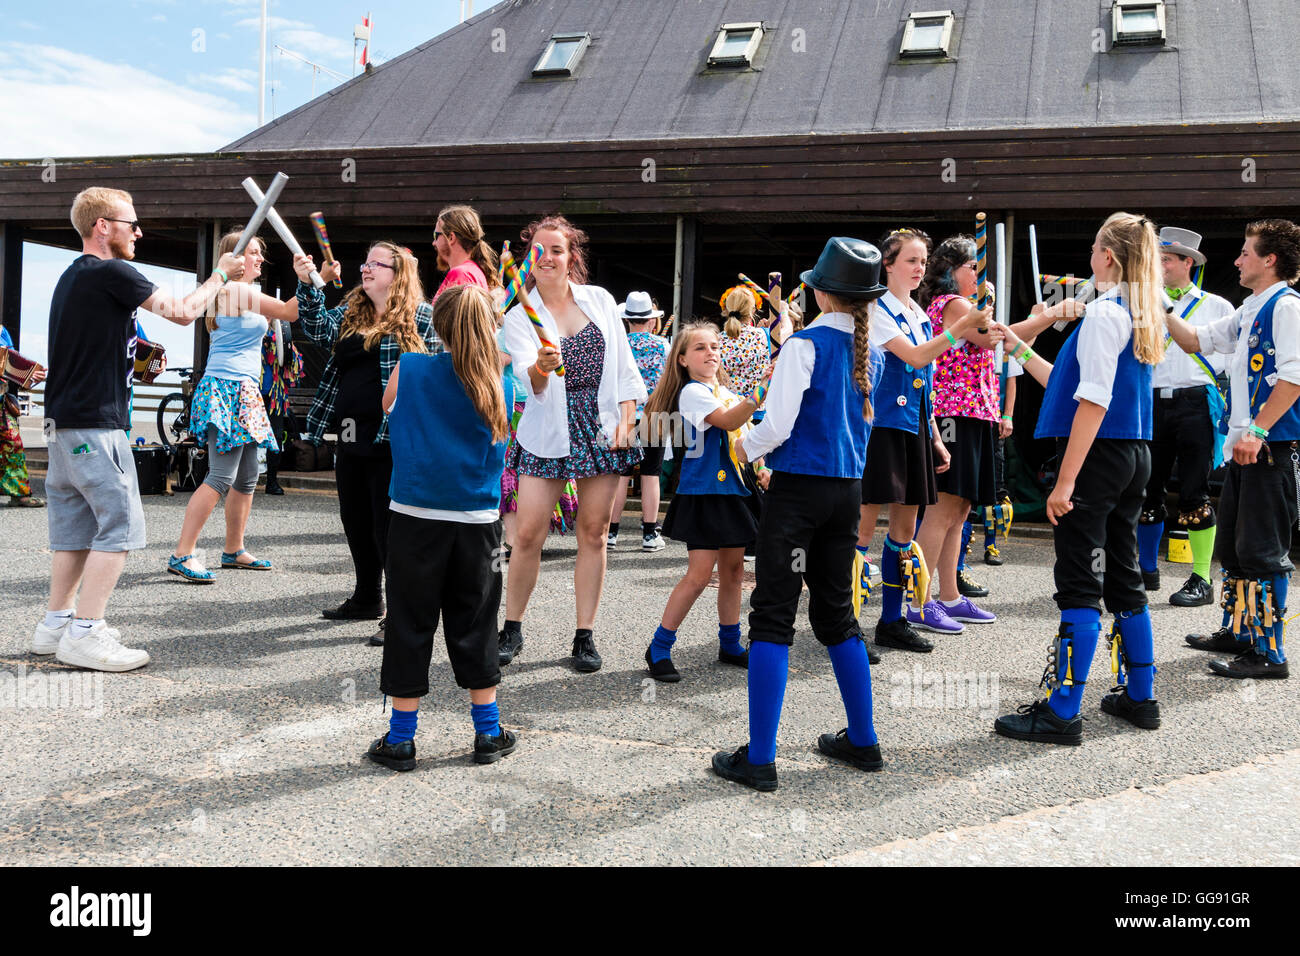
[
  {"x": 965, "y": 380},
  {"x": 590, "y": 453},
  {"x": 747, "y": 358}
]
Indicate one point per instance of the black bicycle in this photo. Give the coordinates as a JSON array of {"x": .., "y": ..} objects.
[{"x": 174, "y": 412}]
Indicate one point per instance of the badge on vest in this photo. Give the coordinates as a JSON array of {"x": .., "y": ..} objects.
[
  {"x": 722, "y": 475},
  {"x": 902, "y": 401},
  {"x": 1256, "y": 363}
]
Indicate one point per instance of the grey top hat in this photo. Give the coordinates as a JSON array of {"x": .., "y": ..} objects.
[
  {"x": 849, "y": 267},
  {"x": 638, "y": 307},
  {"x": 1182, "y": 242}
]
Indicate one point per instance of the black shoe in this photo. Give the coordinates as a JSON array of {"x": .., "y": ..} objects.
[
  {"x": 1036, "y": 722},
  {"x": 737, "y": 768},
  {"x": 1194, "y": 593},
  {"x": 585, "y": 658},
  {"x": 491, "y": 749},
  {"x": 1221, "y": 641},
  {"x": 662, "y": 670},
  {"x": 1144, "y": 714},
  {"x": 350, "y": 610},
  {"x": 992, "y": 556},
  {"x": 969, "y": 588},
  {"x": 393, "y": 756},
  {"x": 273, "y": 487},
  {"x": 377, "y": 639},
  {"x": 902, "y": 635},
  {"x": 740, "y": 660},
  {"x": 1250, "y": 664},
  {"x": 1151, "y": 580},
  {"x": 873, "y": 655},
  {"x": 841, "y": 748},
  {"x": 508, "y": 646}
]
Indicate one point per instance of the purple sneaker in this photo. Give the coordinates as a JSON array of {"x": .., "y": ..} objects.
[
  {"x": 967, "y": 611},
  {"x": 933, "y": 617}
]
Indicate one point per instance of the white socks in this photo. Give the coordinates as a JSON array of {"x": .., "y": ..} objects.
[
  {"x": 55, "y": 620},
  {"x": 83, "y": 626}
]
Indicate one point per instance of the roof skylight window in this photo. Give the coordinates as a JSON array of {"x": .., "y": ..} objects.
[
  {"x": 562, "y": 53},
  {"x": 736, "y": 44},
  {"x": 927, "y": 34},
  {"x": 1138, "y": 22}
]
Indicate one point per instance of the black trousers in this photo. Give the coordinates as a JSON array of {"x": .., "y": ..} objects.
[
  {"x": 806, "y": 535},
  {"x": 363, "y": 506},
  {"x": 447, "y": 568},
  {"x": 1096, "y": 543},
  {"x": 1181, "y": 432},
  {"x": 1257, "y": 511}
]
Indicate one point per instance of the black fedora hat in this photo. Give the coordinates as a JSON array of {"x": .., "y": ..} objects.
[{"x": 848, "y": 267}]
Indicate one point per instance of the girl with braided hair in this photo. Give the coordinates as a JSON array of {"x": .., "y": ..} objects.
[{"x": 815, "y": 438}]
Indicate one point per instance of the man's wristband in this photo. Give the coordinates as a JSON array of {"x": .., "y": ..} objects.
[
  {"x": 1260, "y": 433},
  {"x": 1025, "y": 356},
  {"x": 1006, "y": 418},
  {"x": 224, "y": 278},
  {"x": 952, "y": 342}
]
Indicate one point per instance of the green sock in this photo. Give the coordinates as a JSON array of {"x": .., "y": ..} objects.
[{"x": 1202, "y": 542}]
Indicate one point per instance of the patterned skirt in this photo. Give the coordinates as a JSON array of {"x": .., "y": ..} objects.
[
  {"x": 566, "y": 509},
  {"x": 14, "y": 480},
  {"x": 234, "y": 407}
]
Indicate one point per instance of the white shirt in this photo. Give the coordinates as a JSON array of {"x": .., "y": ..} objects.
[
  {"x": 1229, "y": 336},
  {"x": 790, "y": 379},
  {"x": 697, "y": 402},
  {"x": 883, "y": 328},
  {"x": 1180, "y": 370},
  {"x": 544, "y": 426},
  {"x": 1105, "y": 334}
]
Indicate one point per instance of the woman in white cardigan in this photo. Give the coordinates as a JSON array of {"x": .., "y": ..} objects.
[{"x": 578, "y": 425}]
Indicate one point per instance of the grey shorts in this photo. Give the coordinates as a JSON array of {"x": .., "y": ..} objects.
[{"x": 92, "y": 493}]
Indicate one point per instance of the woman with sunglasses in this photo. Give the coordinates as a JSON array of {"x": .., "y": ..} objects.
[{"x": 379, "y": 319}]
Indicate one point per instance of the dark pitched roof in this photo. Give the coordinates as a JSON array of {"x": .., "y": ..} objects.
[{"x": 1016, "y": 64}]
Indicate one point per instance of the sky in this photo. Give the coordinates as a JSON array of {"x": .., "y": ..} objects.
[{"x": 82, "y": 78}]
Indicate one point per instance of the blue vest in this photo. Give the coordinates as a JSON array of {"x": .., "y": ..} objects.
[
  {"x": 707, "y": 468},
  {"x": 905, "y": 395},
  {"x": 1129, "y": 412},
  {"x": 443, "y": 453},
  {"x": 830, "y": 435},
  {"x": 1262, "y": 367}
]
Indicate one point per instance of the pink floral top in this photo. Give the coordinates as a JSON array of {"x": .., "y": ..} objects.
[
  {"x": 965, "y": 383},
  {"x": 747, "y": 358}
]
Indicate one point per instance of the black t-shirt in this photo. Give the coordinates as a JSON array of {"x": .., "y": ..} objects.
[
  {"x": 92, "y": 343},
  {"x": 360, "y": 397}
]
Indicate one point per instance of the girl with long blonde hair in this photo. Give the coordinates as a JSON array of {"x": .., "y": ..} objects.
[
  {"x": 1097, "y": 405},
  {"x": 228, "y": 413},
  {"x": 379, "y": 320},
  {"x": 445, "y": 535}
]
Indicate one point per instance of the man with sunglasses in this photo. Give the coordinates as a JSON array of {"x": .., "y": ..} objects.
[{"x": 94, "y": 509}]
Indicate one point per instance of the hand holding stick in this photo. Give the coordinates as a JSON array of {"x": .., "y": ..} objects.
[
  {"x": 323, "y": 239},
  {"x": 508, "y": 263}
]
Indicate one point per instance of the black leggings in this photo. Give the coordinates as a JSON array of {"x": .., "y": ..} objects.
[{"x": 363, "y": 506}]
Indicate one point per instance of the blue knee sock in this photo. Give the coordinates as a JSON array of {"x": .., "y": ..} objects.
[
  {"x": 768, "y": 667},
  {"x": 1149, "y": 545},
  {"x": 487, "y": 718},
  {"x": 853, "y": 674},
  {"x": 891, "y": 576},
  {"x": 1139, "y": 646},
  {"x": 990, "y": 537},
  {"x": 401, "y": 725},
  {"x": 965, "y": 544},
  {"x": 1280, "y": 583},
  {"x": 661, "y": 647},
  {"x": 729, "y": 638},
  {"x": 1075, "y": 658}
]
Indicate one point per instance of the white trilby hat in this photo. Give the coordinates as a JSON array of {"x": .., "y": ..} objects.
[
  {"x": 1182, "y": 242},
  {"x": 638, "y": 307}
]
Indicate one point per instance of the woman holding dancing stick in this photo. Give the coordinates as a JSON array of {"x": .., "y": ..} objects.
[
  {"x": 578, "y": 424},
  {"x": 379, "y": 319}
]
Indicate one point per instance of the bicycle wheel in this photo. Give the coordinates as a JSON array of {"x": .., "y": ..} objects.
[{"x": 173, "y": 419}]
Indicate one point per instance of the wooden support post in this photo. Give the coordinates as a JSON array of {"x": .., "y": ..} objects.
[
  {"x": 205, "y": 262},
  {"x": 690, "y": 270},
  {"x": 11, "y": 279}
]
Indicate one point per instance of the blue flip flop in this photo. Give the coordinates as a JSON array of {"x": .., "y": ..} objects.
[
  {"x": 177, "y": 566},
  {"x": 231, "y": 561}
]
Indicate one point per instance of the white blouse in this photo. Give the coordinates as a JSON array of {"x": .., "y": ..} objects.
[{"x": 544, "y": 427}]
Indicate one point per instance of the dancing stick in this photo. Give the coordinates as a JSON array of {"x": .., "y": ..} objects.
[
  {"x": 1033, "y": 258},
  {"x": 981, "y": 262},
  {"x": 508, "y": 263},
  {"x": 1084, "y": 289},
  {"x": 754, "y": 286},
  {"x": 278, "y": 225},
  {"x": 265, "y": 204},
  {"x": 323, "y": 240},
  {"x": 1002, "y": 308},
  {"x": 512, "y": 289},
  {"x": 797, "y": 289}
]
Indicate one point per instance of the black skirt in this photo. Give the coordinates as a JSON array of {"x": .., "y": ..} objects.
[
  {"x": 972, "y": 445},
  {"x": 712, "y": 522},
  {"x": 900, "y": 468}
]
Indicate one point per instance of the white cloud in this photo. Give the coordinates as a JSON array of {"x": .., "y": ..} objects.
[
  {"x": 239, "y": 81},
  {"x": 302, "y": 37},
  {"x": 54, "y": 102}
]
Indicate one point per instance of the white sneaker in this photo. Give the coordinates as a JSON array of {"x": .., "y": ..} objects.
[
  {"x": 100, "y": 650},
  {"x": 45, "y": 640},
  {"x": 652, "y": 542},
  {"x": 611, "y": 542}
]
